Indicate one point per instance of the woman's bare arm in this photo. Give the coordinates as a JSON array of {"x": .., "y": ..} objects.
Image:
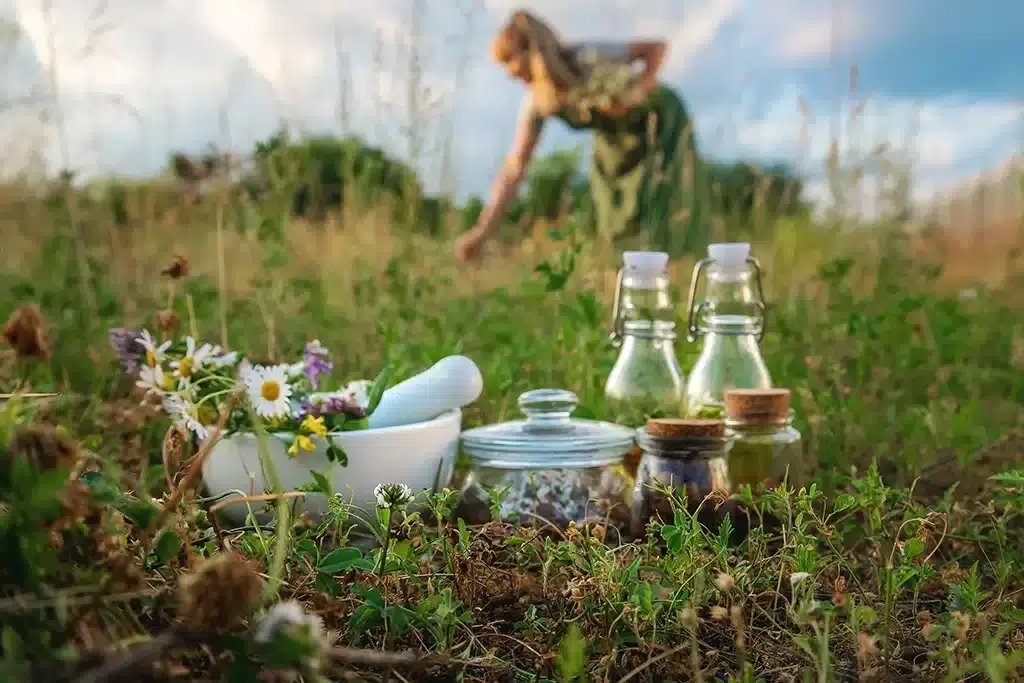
[{"x": 512, "y": 171}]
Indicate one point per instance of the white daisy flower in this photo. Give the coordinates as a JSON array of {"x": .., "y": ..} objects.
[
  {"x": 155, "y": 354},
  {"x": 223, "y": 359},
  {"x": 269, "y": 390},
  {"x": 185, "y": 414},
  {"x": 193, "y": 361},
  {"x": 392, "y": 495},
  {"x": 357, "y": 393},
  {"x": 153, "y": 380}
]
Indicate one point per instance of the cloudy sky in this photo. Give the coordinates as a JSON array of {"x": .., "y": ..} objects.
[{"x": 768, "y": 80}]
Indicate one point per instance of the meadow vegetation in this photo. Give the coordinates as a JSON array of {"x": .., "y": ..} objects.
[{"x": 904, "y": 351}]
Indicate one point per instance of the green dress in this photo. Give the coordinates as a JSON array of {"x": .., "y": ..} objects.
[{"x": 646, "y": 178}]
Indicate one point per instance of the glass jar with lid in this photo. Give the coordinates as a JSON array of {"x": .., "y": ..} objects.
[
  {"x": 553, "y": 467},
  {"x": 766, "y": 448},
  {"x": 688, "y": 457}
]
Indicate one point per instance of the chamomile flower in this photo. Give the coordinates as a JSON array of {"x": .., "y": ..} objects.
[
  {"x": 193, "y": 360},
  {"x": 221, "y": 360},
  {"x": 155, "y": 354},
  {"x": 269, "y": 390},
  {"x": 153, "y": 380},
  {"x": 186, "y": 414}
]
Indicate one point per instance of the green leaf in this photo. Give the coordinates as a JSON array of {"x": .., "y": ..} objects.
[
  {"x": 340, "y": 560},
  {"x": 572, "y": 656},
  {"x": 913, "y": 548},
  {"x": 844, "y": 502},
  {"x": 103, "y": 490},
  {"x": 866, "y": 614},
  {"x": 141, "y": 513},
  {"x": 323, "y": 486},
  {"x": 167, "y": 546},
  {"x": 336, "y": 453},
  {"x": 380, "y": 384}
]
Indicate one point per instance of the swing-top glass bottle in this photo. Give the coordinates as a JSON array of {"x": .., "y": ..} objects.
[
  {"x": 646, "y": 376},
  {"x": 731, "y": 320}
]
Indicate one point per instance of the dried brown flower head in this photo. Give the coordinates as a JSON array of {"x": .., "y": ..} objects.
[
  {"x": 689, "y": 619},
  {"x": 26, "y": 332},
  {"x": 167, "y": 321},
  {"x": 725, "y": 582},
  {"x": 178, "y": 268},
  {"x": 173, "y": 449},
  {"x": 45, "y": 447},
  {"x": 219, "y": 593}
]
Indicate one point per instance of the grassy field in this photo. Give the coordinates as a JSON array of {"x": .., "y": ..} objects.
[{"x": 904, "y": 561}]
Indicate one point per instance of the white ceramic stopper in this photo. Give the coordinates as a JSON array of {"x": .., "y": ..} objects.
[{"x": 643, "y": 267}]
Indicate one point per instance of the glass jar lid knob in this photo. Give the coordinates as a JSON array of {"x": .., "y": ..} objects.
[{"x": 548, "y": 409}]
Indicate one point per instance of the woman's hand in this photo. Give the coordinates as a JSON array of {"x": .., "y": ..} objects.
[{"x": 467, "y": 246}]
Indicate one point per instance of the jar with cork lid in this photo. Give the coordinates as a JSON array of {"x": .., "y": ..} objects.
[
  {"x": 766, "y": 448},
  {"x": 689, "y": 457}
]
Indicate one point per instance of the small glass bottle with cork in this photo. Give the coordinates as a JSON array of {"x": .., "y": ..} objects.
[
  {"x": 766, "y": 448},
  {"x": 688, "y": 456}
]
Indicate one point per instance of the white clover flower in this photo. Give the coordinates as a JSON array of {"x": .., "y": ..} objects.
[
  {"x": 797, "y": 577},
  {"x": 269, "y": 390},
  {"x": 392, "y": 495},
  {"x": 155, "y": 355},
  {"x": 357, "y": 393},
  {"x": 289, "y": 618}
]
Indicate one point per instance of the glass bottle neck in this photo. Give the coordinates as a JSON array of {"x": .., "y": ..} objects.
[
  {"x": 645, "y": 308},
  {"x": 731, "y": 306}
]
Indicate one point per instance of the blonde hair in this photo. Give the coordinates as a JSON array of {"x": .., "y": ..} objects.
[{"x": 551, "y": 72}]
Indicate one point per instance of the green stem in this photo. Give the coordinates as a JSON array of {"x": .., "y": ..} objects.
[
  {"x": 282, "y": 531},
  {"x": 384, "y": 546}
]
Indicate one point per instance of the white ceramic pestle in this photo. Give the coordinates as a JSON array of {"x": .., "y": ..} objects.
[{"x": 450, "y": 383}]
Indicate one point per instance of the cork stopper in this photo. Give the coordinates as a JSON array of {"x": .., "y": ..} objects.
[
  {"x": 677, "y": 427},
  {"x": 754, "y": 405}
]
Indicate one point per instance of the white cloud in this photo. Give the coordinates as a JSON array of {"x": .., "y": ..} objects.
[{"x": 146, "y": 77}]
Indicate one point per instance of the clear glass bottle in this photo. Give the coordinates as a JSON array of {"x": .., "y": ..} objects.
[
  {"x": 646, "y": 376},
  {"x": 554, "y": 467},
  {"x": 731, "y": 318},
  {"x": 766, "y": 448}
]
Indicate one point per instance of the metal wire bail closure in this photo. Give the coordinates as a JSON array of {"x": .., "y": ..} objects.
[
  {"x": 616, "y": 336},
  {"x": 618, "y": 328},
  {"x": 693, "y": 309}
]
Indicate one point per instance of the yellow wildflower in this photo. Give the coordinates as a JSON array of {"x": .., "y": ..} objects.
[
  {"x": 314, "y": 425},
  {"x": 302, "y": 442}
]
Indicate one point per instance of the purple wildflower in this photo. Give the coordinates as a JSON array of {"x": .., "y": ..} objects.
[
  {"x": 332, "y": 405},
  {"x": 127, "y": 348},
  {"x": 315, "y": 363}
]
